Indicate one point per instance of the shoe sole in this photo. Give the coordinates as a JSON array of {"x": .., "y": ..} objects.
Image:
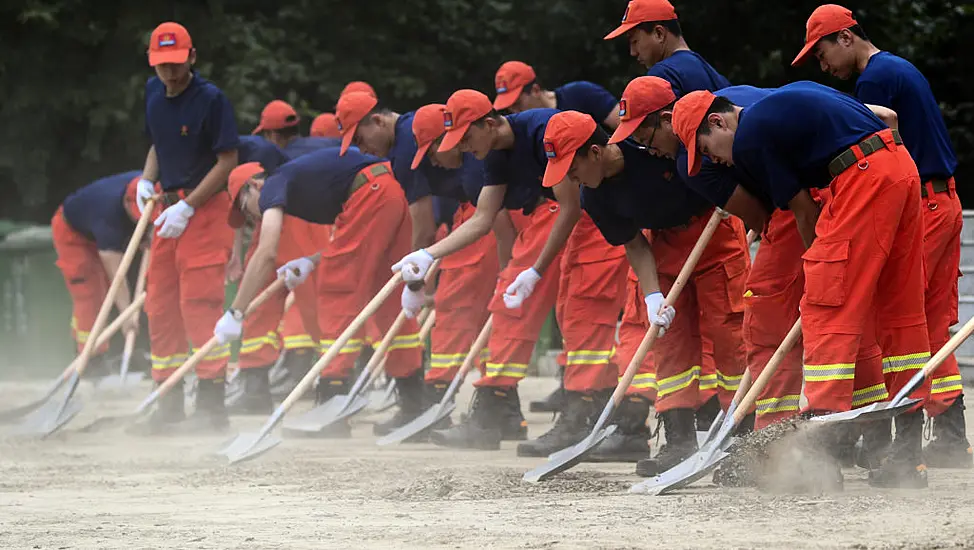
[{"x": 440, "y": 442}]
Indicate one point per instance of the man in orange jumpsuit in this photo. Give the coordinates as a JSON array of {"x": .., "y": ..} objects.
[
  {"x": 863, "y": 265},
  {"x": 843, "y": 49},
  {"x": 194, "y": 147}
]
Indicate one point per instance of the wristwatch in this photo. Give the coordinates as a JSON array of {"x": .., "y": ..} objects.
[{"x": 236, "y": 314}]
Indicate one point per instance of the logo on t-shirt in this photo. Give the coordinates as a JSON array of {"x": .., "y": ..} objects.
[
  {"x": 447, "y": 119},
  {"x": 622, "y": 108},
  {"x": 549, "y": 150},
  {"x": 167, "y": 39}
]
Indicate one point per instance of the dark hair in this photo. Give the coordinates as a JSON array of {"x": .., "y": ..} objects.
[
  {"x": 652, "y": 119},
  {"x": 289, "y": 131},
  {"x": 492, "y": 114},
  {"x": 599, "y": 137},
  {"x": 720, "y": 105},
  {"x": 527, "y": 87},
  {"x": 855, "y": 29},
  {"x": 672, "y": 25}
]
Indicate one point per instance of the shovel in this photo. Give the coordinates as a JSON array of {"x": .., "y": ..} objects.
[
  {"x": 901, "y": 402},
  {"x": 59, "y": 409},
  {"x": 251, "y": 445},
  {"x": 446, "y": 405},
  {"x": 382, "y": 398},
  {"x": 123, "y": 379},
  {"x": 570, "y": 456},
  {"x": 713, "y": 451}
]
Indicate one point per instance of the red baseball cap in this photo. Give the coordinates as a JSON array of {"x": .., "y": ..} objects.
[
  {"x": 643, "y": 96},
  {"x": 358, "y": 86},
  {"x": 643, "y": 11},
  {"x": 352, "y": 108},
  {"x": 462, "y": 109},
  {"x": 170, "y": 43},
  {"x": 427, "y": 126},
  {"x": 566, "y": 132},
  {"x": 688, "y": 115},
  {"x": 239, "y": 177},
  {"x": 325, "y": 125},
  {"x": 509, "y": 81},
  {"x": 825, "y": 20},
  {"x": 277, "y": 115}
]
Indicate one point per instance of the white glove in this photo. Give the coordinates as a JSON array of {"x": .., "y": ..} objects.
[
  {"x": 521, "y": 288},
  {"x": 174, "y": 220},
  {"x": 227, "y": 329},
  {"x": 295, "y": 272},
  {"x": 659, "y": 315},
  {"x": 412, "y": 302},
  {"x": 143, "y": 192},
  {"x": 414, "y": 265}
]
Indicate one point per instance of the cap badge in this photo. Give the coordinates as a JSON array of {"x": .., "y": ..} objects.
[
  {"x": 338, "y": 123},
  {"x": 447, "y": 119},
  {"x": 549, "y": 150},
  {"x": 622, "y": 108},
  {"x": 502, "y": 86},
  {"x": 167, "y": 39},
  {"x": 625, "y": 15}
]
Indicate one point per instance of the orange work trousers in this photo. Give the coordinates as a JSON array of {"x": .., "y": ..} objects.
[
  {"x": 516, "y": 330},
  {"x": 863, "y": 307},
  {"x": 591, "y": 294},
  {"x": 635, "y": 322},
  {"x": 942, "y": 222},
  {"x": 184, "y": 291},
  {"x": 84, "y": 275},
  {"x": 466, "y": 285},
  {"x": 711, "y": 304},
  {"x": 372, "y": 233},
  {"x": 261, "y": 342},
  {"x": 774, "y": 291}
]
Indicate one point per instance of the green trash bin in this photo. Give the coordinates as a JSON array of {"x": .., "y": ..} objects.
[{"x": 35, "y": 308}]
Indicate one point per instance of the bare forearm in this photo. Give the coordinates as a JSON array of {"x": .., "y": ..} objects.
[
  {"x": 643, "y": 262},
  {"x": 806, "y": 226},
  {"x": 111, "y": 261},
  {"x": 461, "y": 237},
  {"x": 150, "y": 171},
  {"x": 505, "y": 233},
  {"x": 214, "y": 181},
  {"x": 259, "y": 271},
  {"x": 562, "y": 229}
]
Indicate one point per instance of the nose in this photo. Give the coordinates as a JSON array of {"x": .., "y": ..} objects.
[{"x": 632, "y": 50}]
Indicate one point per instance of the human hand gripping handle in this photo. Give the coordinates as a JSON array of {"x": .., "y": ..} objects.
[
  {"x": 144, "y": 191},
  {"x": 522, "y": 287},
  {"x": 414, "y": 267},
  {"x": 173, "y": 220},
  {"x": 660, "y": 314},
  {"x": 295, "y": 272},
  {"x": 413, "y": 301}
]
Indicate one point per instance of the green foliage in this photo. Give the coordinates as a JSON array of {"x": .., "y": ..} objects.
[{"x": 72, "y": 72}]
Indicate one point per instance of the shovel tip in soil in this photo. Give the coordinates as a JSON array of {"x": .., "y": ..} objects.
[
  {"x": 248, "y": 446},
  {"x": 567, "y": 458}
]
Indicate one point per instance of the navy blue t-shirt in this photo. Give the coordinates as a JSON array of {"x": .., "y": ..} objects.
[
  {"x": 443, "y": 210},
  {"x": 416, "y": 183},
  {"x": 786, "y": 141},
  {"x": 586, "y": 97},
  {"x": 97, "y": 211},
  {"x": 258, "y": 149},
  {"x": 717, "y": 182},
  {"x": 188, "y": 130},
  {"x": 687, "y": 71},
  {"x": 313, "y": 187},
  {"x": 645, "y": 195},
  {"x": 459, "y": 185},
  {"x": 522, "y": 167},
  {"x": 304, "y": 145},
  {"x": 894, "y": 82}
]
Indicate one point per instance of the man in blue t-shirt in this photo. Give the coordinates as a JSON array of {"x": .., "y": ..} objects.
[
  {"x": 194, "y": 137},
  {"x": 518, "y": 90},
  {"x": 280, "y": 124},
  {"x": 842, "y": 49}
]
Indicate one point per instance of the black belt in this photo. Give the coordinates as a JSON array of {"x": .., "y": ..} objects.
[
  {"x": 939, "y": 186},
  {"x": 868, "y": 146},
  {"x": 361, "y": 178},
  {"x": 170, "y": 198}
]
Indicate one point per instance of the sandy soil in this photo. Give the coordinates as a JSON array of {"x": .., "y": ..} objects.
[{"x": 112, "y": 490}]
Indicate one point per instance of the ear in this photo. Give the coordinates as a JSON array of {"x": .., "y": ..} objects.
[
  {"x": 714, "y": 120},
  {"x": 659, "y": 31},
  {"x": 535, "y": 89},
  {"x": 192, "y": 56},
  {"x": 846, "y": 38},
  {"x": 666, "y": 117}
]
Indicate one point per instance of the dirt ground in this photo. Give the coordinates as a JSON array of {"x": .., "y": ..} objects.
[{"x": 112, "y": 490}]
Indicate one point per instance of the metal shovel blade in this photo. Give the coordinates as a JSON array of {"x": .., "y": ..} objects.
[
  {"x": 114, "y": 382},
  {"x": 234, "y": 391},
  {"x": 876, "y": 411},
  {"x": 322, "y": 416},
  {"x": 681, "y": 475},
  {"x": 419, "y": 424},
  {"x": 569, "y": 457},
  {"x": 384, "y": 398},
  {"x": 248, "y": 446},
  {"x": 49, "y": 418},
  {"x": 17, "y": 413}
]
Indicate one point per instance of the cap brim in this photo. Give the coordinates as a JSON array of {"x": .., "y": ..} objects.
[
  {"x": 626, "y": 128},
  {"x": 803, "y": 55},
  {"x": 257, "y": 130},
  {"x": 507, "y": 99},
  {"x": 556, "y": 170},
  {"x": 347, "y": 139},
  {"x": 168, "y": 56},
  {"x": 452, "y": 138},
  {"x": 694, "y": 159},
  {"x": 620, "y": 30},
  {"x": 420, "y": 154}
]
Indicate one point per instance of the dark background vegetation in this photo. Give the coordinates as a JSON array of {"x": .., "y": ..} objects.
[{"x": 72, "y": 71}]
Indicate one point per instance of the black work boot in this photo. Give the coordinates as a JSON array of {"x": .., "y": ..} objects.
[
  {"x": 877, "y": 436},
  {"x": 255, "y": 397},
  {"x": 630, "y": 442},
  {"x": 681, "y": 442},
  {"x": 903, "y": 469},
  {"x": 410, "y": 398},
  {"x": 949, "y": 448},
  {"x": 325, "y": 391},
  {"x": 169, "y": 411},
  {"x": 572, "y": 424},
  {"x": 297, "y": 363},
  {"x": 554, "y": 401},
  {"x": 328, "y": 388},
  {"x": 210, "y": 415},
  {"x": 706, "y": 413},
  {"x": 481, "y": 427}
]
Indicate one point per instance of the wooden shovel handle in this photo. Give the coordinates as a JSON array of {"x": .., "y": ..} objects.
[
  {"x": 110, "y": 330},
  {"x": 478, "y": 345},
  {"x": 762, "y": 380},
  {"x": 427, "y": 319},
  {"x": 681, "y": 282}
]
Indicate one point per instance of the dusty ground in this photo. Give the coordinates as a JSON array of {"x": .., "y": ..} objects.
[{"x": 110, "y": 490}]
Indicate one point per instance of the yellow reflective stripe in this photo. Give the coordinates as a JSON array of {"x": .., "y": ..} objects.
[
  {"x": 298, "y": 341},
  {"x": 824, "y": 373},
  {"x": 946, "y": 384},
  {"x": 511, "y": 370},
  {"x": 771, "y": 405},
  {"x": 252, "y": 345},
  {"x": 354, "y": 345},
  {"x": 446, "y": 360},
  {"x": 708, "y": 381},
  {"x": 680, "y": 381},
  {"x": 168, "y": 361},
  {"x": 220, "y": 352},
  {"x": 902, "y": 363},
  {"x": 726, "y": 381},
  {"x": 644, "y": 381},
  {"x": 406, "y": 341},
  {"x": 872, "y": 394},
  {"x": 81, "y": 336},
  {"x": 588, "y": 357}
]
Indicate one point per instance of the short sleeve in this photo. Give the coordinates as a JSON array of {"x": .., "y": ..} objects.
[
  {"x": 274, "y": 193},
  {"x": 616, "y": 229},
  {"x": 418, "y": 185},
  {"x": 222, "y": 125},
  {"x": 497, "y": 169},
  {"x": 109, "y": 237},
  {"x": 874, "y": 93},
  {"x": 713, "y": 182},
  {"x": 599, "y": 101},
  {"x": 667, "y": 73},
  {"x": 765, "y": 165}
]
